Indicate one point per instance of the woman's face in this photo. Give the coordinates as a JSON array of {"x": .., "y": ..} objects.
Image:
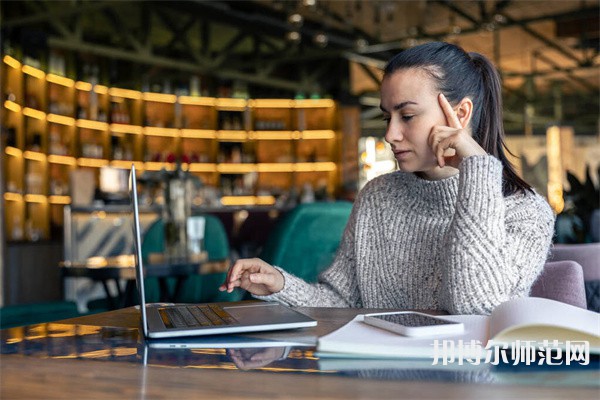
[{"x": 409, "y": 101}]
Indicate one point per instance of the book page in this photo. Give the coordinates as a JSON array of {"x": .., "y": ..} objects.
[
  {"x": 534, "y": 318},
  {"x": 358, "y": 338}
]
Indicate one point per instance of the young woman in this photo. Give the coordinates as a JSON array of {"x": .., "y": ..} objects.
[{"x": 455, "y": 228}]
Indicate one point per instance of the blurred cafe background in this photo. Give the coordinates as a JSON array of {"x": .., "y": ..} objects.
[{"x": 252, "y": 126}]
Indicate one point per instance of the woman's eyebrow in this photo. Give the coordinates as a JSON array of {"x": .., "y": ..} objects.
[{"x": 399, "y": 106}]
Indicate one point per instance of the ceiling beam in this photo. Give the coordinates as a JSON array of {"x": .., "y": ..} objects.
[
  {"x": 56, "y": 13},
  {"x": 146, "y": 58}
]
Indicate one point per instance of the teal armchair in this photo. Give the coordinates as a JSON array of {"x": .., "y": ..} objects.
[
  {"x": 306, "y": 240},
  {"x": 196, "y": 288}
]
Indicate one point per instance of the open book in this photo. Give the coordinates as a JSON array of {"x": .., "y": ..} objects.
[{"x": 525, "y": 319}]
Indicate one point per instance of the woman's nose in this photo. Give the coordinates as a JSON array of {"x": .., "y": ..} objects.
[{"x": 393, "y": 133}]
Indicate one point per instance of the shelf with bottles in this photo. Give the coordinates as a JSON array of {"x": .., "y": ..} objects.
[
  {"x": 61, "y": 95},
  {"x": 125, "y": 108},
  {"x": 92, "y": 102},
  {"x": 272, "y": 115},
  {"x": 35, "y": 88},
  {"x": 125, "y": 147},
  {"x": 159, "y": 110},
  {"x": 197, "y": 113},
  {"x": 315, "y": 114},
  {"x": 93, "y": 143},
  {"x": 61, "y": 139},
  {"x": 12, "y": 77}
]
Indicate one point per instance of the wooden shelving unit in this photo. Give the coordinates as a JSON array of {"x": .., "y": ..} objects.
[{"x": 252, "y": 150}]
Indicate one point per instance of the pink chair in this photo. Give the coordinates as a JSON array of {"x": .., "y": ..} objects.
[
  {"x": 588, "y": 256},
  {"x": 561, "y": 281}
]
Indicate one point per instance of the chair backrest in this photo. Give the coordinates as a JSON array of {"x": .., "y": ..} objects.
[
  {"x": 306, "y": 239},
  {"x": 561, "y": 281},
  {"x": 197, "y": 288},
  {"x": 585, "y": 254},
  {"x": 216, "y": 242}
]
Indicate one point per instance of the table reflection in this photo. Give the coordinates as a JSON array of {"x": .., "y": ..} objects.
[{"x": 242, "y": 352}]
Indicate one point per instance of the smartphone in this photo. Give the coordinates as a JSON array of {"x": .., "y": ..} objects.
[{"x": 411, "y": 323}]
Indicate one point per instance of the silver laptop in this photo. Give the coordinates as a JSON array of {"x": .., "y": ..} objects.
[{"x": 181, "y": 320}]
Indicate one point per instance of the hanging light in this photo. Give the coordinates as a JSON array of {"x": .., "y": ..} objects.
[
  {"x": 293, "y": 37},
  {"x": 321, "y": 39},
  {"x": 361, "y": 44},
  {"x": 295, "y": 20}
]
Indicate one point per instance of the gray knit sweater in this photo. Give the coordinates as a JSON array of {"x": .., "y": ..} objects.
[{"x": 455, "y": 244}]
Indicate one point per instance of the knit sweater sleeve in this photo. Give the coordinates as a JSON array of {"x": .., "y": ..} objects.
[
  {"x": 337, "y": 285},
  {"x": 495, "y": 247}
]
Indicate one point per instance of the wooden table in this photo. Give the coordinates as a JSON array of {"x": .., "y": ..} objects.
[{"x": 95, "y": 357}]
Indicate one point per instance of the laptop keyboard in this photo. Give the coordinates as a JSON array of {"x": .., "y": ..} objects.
[{"x": 194, "y": 316}]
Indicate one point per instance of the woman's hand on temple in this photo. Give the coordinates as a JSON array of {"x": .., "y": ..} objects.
[
  {"x": 452, "y": 143},
  {"x": 255, "y": 276}
]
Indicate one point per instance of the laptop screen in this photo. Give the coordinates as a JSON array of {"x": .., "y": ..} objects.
[{"x": 139, "y": 268}]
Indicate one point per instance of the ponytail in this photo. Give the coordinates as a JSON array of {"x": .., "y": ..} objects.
[
  {"x": 459, "y": 74},
  {"x": 490, "y": 133}
]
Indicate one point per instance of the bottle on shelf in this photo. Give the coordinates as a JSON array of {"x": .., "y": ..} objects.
[{"x": 17, "y": 229}]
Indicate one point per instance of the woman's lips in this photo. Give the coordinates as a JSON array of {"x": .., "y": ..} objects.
[{"x": 399, "y": 154}]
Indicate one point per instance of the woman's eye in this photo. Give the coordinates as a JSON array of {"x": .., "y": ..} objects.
[
  {"x": 386, "y": 119},
  {"x": 407, "y": 117}
]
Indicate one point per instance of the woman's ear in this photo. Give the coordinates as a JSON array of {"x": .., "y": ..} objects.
[{"x": 464, "y": 111}]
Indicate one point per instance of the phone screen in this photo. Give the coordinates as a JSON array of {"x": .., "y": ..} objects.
[{"x": 413, "y": 320}]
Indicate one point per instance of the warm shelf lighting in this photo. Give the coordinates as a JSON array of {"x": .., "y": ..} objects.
[
  {"x": 236, "y": 168},
  {"x": 238, "y": 200},
  {"x": 325, "y": 166},
  {"x": 198, "y": 133},
  {"x": 555, "y": 170},
  {"x": 123, "y": 128},
  {"x": 12, "y": 196},
  {"x": 232, "y": 136},
  {"x": 11, "y": 62},
  {"x": 265, "y": 200},
  {"x": 275, "y": 167},
  {"x": 231, "y": 104},
  {"x": 316, "y": 103},
  {"x": 37, "y": 114},
  {"x": 36, "y": 73},
  {"x": 271, "y": 103},
  {"x": 271, "y": 135},
  {"x": 34, "y": 155},
  {"x": 126, "y": 164},
  {"x": 60, "y": 119},
  {"x": 126, "y": 93},
  {"x": 197, "y": 101},
  {"x": 60, "y": 80},
  {"x": 101, "y": 89},
  {"x": 153, "y": 131},
  {"x": 12, "y": 106},
  {"x": 36, "y": 198},
  {"x": 89, "y": 124},
  {"x": 60, "y": 199},
  {"x": 157, "y": 166},
  {"x": 13, "y": 151},
  {"x": 202, "y": 167},
  {"x": 315, "y": 134},
  {"x": 160, "y": 97},
  {"x": 83, "y": 86},
  {"x": 65, "y": 160},
  {"x": 247, "y": 200},
  {"x": 92, "y": 162}
]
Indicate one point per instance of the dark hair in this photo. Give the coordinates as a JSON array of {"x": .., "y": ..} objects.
[{"x": 458, "y": 75}]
